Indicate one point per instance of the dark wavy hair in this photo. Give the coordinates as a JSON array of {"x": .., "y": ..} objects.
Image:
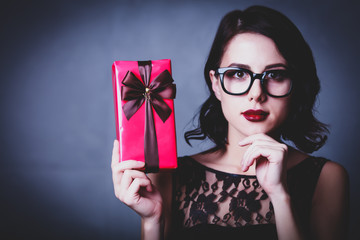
[{"x": 301, "y": 127}]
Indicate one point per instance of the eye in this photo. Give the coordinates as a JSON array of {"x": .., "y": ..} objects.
[
  {"x": 236, "y": 74},
  {"x": 279, "y": 75},
  {"x": 272, "y": 75},
  {"x": 240, "y": 74}
]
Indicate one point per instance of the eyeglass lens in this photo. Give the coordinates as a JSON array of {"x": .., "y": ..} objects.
[{"x": 275, "y": 82}]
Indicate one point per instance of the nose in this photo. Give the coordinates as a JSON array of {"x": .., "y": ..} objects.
[{"x": 256, "y": 92}]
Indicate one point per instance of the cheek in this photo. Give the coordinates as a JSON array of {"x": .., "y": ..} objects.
[
  {"x": 281, "y": 110},
  {"x": 231, "y": 106},
  {"x": 227, "y": 112}
]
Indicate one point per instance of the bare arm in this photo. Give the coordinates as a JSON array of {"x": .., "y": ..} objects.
[
  {"x": 286, "y": 223},
  {"x": 330, "y": 212}
]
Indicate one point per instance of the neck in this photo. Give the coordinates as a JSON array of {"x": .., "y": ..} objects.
[{"x": 234, "y": 152}]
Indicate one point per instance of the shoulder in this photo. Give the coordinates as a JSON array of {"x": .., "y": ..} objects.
[
  {"x": 315, "y": 178},
  {"x": 333, "y": 175},
  {"x": 333, "y": 170},
  {"x": 330, "y": 205},
  {"x": 333, "y": 179}
]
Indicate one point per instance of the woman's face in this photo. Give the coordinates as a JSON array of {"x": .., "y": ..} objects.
[{"x": 253, "y": 112}]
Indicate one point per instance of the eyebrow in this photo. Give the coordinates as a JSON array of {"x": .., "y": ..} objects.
[
  {"x": 239, "y": 65},
  {"x": 276, "y": 65}
]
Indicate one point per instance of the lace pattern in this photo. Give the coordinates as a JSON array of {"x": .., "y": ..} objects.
[{"x": 208, "y": 196}]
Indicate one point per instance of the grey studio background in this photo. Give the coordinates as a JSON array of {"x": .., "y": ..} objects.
[{"x": 57, "y": 117}]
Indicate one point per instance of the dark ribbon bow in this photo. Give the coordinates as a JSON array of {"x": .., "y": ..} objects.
[{"x": 136, "y": 92}]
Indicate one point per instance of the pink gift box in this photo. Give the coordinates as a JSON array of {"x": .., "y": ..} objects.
[{"x": 144, "y": 112}]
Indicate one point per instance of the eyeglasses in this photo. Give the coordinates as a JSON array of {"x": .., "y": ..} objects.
[{"x": 238, "y": 81}]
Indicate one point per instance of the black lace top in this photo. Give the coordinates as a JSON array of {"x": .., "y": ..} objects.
[{"x": 209, "y": 204}]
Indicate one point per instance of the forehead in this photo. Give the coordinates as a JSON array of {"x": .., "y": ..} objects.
[{"x": 255, "y": 50}]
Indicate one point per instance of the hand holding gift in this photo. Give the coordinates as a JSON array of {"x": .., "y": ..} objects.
[{"x": 134, "y": 188}]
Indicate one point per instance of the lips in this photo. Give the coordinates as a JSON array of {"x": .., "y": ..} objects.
[{"x": 255, "y": 115}]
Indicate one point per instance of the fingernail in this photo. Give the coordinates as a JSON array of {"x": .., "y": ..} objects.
[{"x": 245, "y": 168}]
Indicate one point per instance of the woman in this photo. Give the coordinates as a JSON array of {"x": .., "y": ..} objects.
[{"x": 263, "y": 85}]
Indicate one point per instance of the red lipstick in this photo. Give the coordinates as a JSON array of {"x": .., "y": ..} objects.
[{"x": 255, "y": 115}]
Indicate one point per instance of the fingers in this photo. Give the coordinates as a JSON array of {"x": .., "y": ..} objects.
[
  {"x": 129, "y": 177},
  {"x": 129, "y": 164},
  {"x": 262, "y": 147},
  {"x": 133, "y": 191},
  {"x": 126, "y": 172},
  {"x": 133, "y": 187},
  {"x": 130, "y": 184},
  {"x": 255, "y": 153}
]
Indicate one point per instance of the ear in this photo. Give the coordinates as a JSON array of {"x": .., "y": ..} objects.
[{"x": 215, "y": 84}]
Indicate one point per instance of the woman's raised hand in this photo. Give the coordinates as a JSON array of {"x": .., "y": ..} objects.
[
  {"x": 134, "y": 188},
  {"x": 270, "y": 158}
]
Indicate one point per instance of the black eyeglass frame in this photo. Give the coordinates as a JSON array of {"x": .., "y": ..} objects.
[{"x": 260, "y": 76}]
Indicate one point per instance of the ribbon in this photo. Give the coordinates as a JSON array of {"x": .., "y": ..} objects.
[{"x": 136, "y": 92}]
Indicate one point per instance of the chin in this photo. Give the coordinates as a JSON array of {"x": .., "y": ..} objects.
[
  {"x": 247, "y": 128},
  {"x": 257, "y": 130},
  {"x": 250, "y": 132}
]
